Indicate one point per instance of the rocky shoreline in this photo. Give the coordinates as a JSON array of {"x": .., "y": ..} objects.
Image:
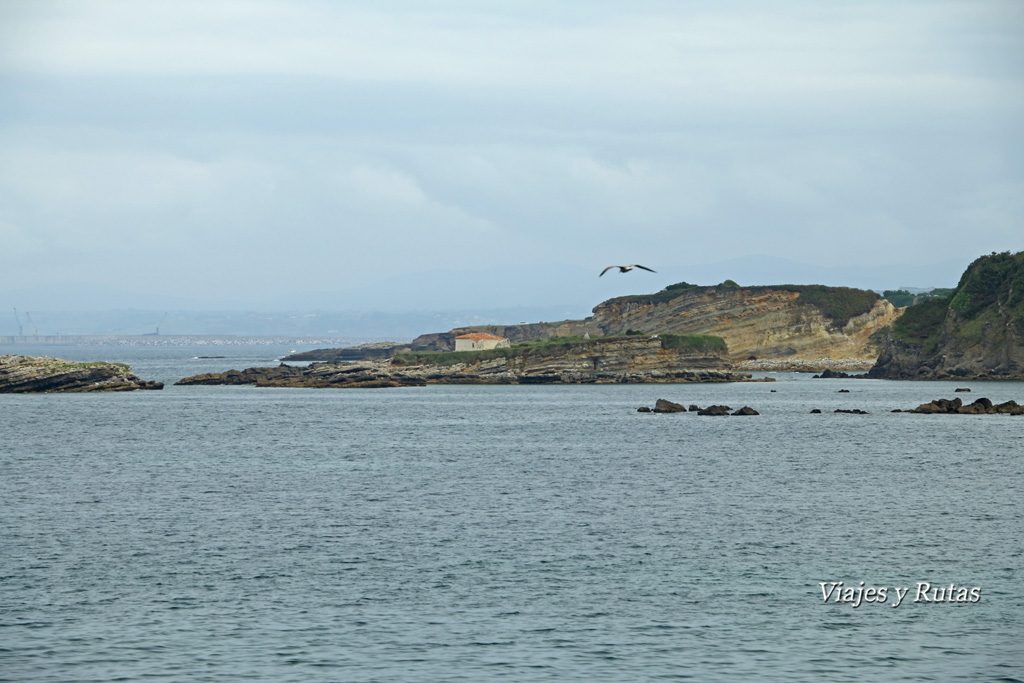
[
  {"x": 40, "y": 374},
  {"x": 372, "y": 375},
  {"x": 804, "y": 365}
]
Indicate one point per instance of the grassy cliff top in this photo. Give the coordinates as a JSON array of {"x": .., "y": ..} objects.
[{"x": 838, "y": 304}]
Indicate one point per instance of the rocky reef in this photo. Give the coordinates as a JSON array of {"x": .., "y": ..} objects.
[
  {"x": 976, "y": 333},
  {"x": 630, "y": 359},
  {"x": 38, "y": 374}
]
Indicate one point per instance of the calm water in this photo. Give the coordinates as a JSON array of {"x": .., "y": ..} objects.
[{"x": 502, "y": 533}]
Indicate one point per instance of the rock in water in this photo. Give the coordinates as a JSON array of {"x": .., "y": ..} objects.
[
  {"x": 39, "y": 374},
  {"x": 715, "y": 410},
  {"x": 663, "y": 406},
  {"x": 746, "y": 410}
]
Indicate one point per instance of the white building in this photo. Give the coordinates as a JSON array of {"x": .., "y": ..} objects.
[{"x": 477, "y": 341}]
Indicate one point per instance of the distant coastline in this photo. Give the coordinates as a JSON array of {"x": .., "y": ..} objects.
[{"x": 177, "y": 340}]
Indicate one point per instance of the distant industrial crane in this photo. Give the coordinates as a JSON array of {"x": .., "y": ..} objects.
[
  {"x": 21, "y": 332},
  {"x": 35, "y": 332}
]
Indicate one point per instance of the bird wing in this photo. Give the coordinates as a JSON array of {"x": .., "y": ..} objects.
[
  {"x": 644, "y": 267},
  {"x": 606, "y": 270}
]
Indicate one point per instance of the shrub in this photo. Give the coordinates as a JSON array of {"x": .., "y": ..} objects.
[
  {"x": 838, "y": 304},
  {"x": 698, "y": 343},
  {"x": 920, "y": 325}
]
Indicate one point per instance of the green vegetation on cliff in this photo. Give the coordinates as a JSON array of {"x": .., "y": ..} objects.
[
  {"x": 838, "y": 304},
  {"x": 977, "y": 332},
  {"x": 990, "y": 290},
  {"x": 695, "y": 343},
  {"x": 997, "y": 278},
  {"x": 920, "y": 325}
]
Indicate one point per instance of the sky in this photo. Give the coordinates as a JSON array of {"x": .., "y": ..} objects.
[{"x": 449, "y": 153}]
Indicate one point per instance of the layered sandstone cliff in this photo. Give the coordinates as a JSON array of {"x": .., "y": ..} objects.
[{"x": 758, "y": 324}]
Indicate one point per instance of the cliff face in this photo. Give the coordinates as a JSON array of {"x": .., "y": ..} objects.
[
  {"x": 803, "y": 326},
  {"x": 756, "y": 323},
  {"x": 37, "y": 374},
  {"x": 976, "y": 333}
]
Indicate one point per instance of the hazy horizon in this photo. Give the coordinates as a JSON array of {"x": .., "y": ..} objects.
[{"x": 401, "y": 309}]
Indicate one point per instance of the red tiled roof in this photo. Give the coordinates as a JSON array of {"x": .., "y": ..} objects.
[{"x": 478, "y": 336}]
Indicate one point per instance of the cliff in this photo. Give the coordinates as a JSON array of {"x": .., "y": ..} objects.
[
  {"x": 771, "y": 327},
  {"x": 632, "y": 359},
  {"x": 37, "y": 374},
  {"x": 778, "y": 327},
  {"x": 977, "y": 333}
]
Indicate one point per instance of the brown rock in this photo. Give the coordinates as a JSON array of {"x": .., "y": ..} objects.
[
  {"x": 663, "y": 406},
  {"x": 715, "y": 410}
]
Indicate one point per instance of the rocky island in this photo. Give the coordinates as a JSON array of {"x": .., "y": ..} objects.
[
  {"x": 574, "y": 360},
  {"x": 38, "y": 374}
]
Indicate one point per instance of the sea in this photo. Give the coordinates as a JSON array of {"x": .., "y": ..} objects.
[{"x": 506, "y": 533}]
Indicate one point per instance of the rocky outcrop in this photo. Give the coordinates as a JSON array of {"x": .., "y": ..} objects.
[
  {"x": 982, "y": 406},
  {"x": 382, "y": 374},
  {"x": 836, "y": 374},
  {"x": 715, "y": 410},
  {"x": 977, "y": 333},
  {"x": 38, "y": 374},
  {"x": 665, "y": 406},
  {"x": 609, "y": 360},
  {"x": 374, "y": 351}
]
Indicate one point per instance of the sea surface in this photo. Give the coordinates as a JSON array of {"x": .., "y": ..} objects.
[{"x": 509, "y": 533}]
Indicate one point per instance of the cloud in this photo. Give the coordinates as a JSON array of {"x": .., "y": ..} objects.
[{"x": 252, "y": 146}]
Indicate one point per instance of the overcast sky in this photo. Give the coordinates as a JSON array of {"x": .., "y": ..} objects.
[{"x": 241, "y": 151}]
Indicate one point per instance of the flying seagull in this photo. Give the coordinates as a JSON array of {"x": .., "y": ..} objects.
[{"x": 626, "y": 269}]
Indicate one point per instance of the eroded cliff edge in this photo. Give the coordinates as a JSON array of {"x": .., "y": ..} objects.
[
  {"x": 976, "y": 333},
  {"x": 38, "y": 374}
]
